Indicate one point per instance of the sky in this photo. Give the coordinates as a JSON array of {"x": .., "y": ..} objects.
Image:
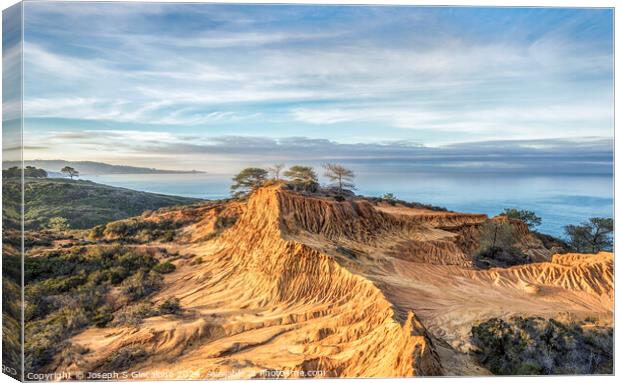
[{"x": 220, "y": 87}]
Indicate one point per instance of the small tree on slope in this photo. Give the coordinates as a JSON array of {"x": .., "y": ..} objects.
[
  {"x": 275, "y": 170},
  {"x": 248, "y": 180},
  {"x": 302, "y": 178},
  {"x": 528, "y": 217},
  {"x": 71, "y": 172},
  {"x": 592, "y": 236},
  {"x": 340, "y": 176}
]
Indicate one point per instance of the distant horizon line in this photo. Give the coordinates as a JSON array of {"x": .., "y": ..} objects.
[
  {"x": 436, "y": 171},
  {"x": 155, "y": 169}
]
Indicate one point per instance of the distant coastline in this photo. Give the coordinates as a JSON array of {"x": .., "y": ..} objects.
[
  {"x": 559, "y": 199},
  {"x": 94, "y": 168}
]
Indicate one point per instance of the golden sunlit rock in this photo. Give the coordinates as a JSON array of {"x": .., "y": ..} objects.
[{"x": 300, "y": 284}]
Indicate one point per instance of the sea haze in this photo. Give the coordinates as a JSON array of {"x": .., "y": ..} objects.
[{"x": 559, "y": 199}]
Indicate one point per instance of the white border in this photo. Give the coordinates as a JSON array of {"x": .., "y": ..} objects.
[{"x": 482, "y": 3}]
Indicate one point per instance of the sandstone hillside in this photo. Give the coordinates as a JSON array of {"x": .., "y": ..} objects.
[{"x": 292, "y": 284}]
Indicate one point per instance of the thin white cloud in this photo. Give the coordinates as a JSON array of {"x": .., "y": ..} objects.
[
  {"x": 343, "y": 75},
  {"x": 498, "y": 87},
  {"x": 11, "y": 100},
  {"x": 127, "y": 111},
  {"x": 492, "y": 120},
  {"x": 230, "y": 40},
  {"x": 63, "y": 67}
]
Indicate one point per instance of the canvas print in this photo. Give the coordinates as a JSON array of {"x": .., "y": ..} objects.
[{"x": 233, "y": 191}]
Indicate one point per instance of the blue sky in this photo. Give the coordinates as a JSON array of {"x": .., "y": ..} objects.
[{"x": 215, "y": 87}]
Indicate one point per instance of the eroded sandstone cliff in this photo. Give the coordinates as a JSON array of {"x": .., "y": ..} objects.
[{"x": 295, "y": 284}]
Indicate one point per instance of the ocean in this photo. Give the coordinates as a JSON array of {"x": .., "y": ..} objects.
[{"x": 558, "y": 199}]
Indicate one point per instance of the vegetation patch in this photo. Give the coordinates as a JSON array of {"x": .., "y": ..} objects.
[
  {"x": 538, "y": 346},
  {"x": 170, "y": 306},
  {"x": 83, "y": 204},
  {"x": 197, "y": 261},
  {"x": 592, "y": 236},
  {"x": 124, "y": 358},
  {"x": 137, "y": 229},
  {"x": 141, "y": 284},
  {"x": 68, "y": 290},
  {"x": 11, "y": 309},
  {"x": 133, "y": 315},
  {"x": 164, "y": 268}
]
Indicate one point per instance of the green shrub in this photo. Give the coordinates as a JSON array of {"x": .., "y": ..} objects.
[
  {"x": 133, "y": 315},
  {"x": 197, "y": 261},
  {"x": 58, "y": 224},
  {"x": 141, "y": 284},
  {"x": 46, "y": 338},
  {"x": 164, "y": 268},
  {"x": 124, "y": 358},
  {"x": 167, "y": 236},
  {"x": 96, "y": 232},
  {"x": 103, "y": 316},
  {"x": 141, "y": 230},
  {"x": 63, "y": 284},
  {"x": 135, "y": 261},
  {"x": 537, "y": 346},
  {"x": 170, "y": 306}
]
